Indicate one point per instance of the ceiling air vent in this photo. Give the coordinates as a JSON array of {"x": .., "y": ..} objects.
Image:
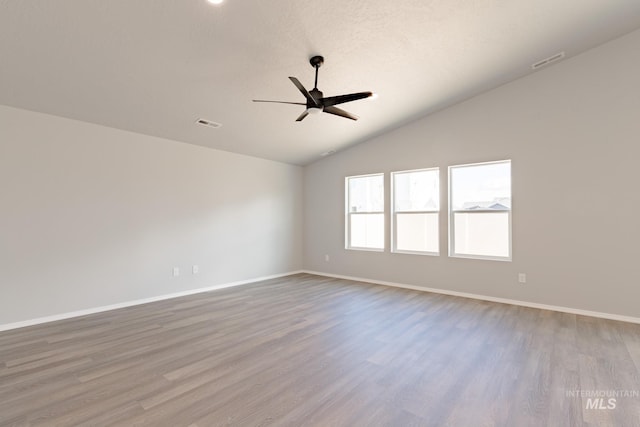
[
  {"x": 553, "y": 58},
  {"x": 208, "y": 123}
]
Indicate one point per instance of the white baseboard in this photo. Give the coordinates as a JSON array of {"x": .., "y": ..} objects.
[
  {"x": 609, "y": 316},
  {"x": 62, "y": 316}
]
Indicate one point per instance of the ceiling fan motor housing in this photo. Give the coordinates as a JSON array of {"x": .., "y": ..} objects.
[{"x": 317, "y": 95}]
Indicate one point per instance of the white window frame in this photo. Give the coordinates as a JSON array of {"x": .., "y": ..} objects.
[
  {"x": 394, "y": 214},
  {"x": 347, "y": 234},
  {"x": 452, "y": 212}
]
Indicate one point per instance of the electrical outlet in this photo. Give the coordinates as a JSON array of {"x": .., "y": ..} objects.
[
  {"x": 176, "y": 271},
  {"x": 326, "y": 258},
  {"x": 195, "y": 269},
  {"x": 522, "y": 278}
]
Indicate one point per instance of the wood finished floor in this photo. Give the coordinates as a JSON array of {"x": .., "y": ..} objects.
[{"x": 313, "y": 351}]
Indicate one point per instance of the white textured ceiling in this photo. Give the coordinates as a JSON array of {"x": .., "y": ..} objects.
[{"x": 155, "y": 66}]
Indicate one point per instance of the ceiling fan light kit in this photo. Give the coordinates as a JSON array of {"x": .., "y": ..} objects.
[{"x": 315, "y": 101}]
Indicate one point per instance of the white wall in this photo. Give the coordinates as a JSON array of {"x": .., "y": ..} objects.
[
  {"x": 573, "y": 134},
  {"x": 93, "y": 216}
]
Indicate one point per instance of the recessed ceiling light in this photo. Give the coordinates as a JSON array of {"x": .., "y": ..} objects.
[
  {"x": 374, "y": 96},
  {"x": 215, "y": 1}
]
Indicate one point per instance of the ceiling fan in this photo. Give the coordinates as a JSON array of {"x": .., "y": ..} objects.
[{"x": 316, "y": 103}]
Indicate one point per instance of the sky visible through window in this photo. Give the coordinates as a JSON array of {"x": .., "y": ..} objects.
[
  {"x": 483, "y": 186},
  {"x": 366, "y": 194},
  {"x": 416, "y": 190}
]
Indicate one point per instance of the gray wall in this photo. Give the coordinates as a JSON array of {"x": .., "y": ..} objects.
[
  {"x": 572, "y": 132},
  {"x": 92, "y": 216}
]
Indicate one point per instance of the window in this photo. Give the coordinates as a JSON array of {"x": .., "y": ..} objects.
[
  {"x": 480, "y": 210},
  {"x": 365, "y": 212},
  {"x": 416, "y": 205}
]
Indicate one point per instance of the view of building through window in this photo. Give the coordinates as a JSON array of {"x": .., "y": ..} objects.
[
  {"x": 479, "y": 211},
  {"x": 480, "y": 220}
]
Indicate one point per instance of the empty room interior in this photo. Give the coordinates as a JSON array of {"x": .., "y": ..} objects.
[{"x": 305, "y": 213}]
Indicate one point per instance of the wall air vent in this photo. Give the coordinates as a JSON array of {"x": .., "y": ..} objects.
[
  {"x": 553, "y": 58},
  {"x": 208, "y": 123}
]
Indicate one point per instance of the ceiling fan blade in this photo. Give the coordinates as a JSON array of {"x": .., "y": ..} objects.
[
  {"x": 304, "y": 91},
  {"x": 338, "y": 112},
  {"x": 304, "y": 114},
  {"x": 280, "y": 102},
  {"x": 341, "y": 99}
]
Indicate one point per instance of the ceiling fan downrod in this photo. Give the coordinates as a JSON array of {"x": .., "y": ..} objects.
[{"x": 316, "y": 62}]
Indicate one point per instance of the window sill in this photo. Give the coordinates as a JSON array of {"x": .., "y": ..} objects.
[
  {"x": 415, "y": 253},
  {"x": 481, "y": 257},
  {"x": 365, "y": 249}
]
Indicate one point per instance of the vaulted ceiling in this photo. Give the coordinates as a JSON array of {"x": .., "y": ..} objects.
[{"x": 155, "y": 67}]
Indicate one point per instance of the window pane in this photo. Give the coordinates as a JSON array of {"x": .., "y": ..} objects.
[
  {"x": 367, "y": 231},
  {"x": 484, "y": 186},
  {"x": 366, "y": 194},
  {"x": 417, "y": 232},
  {"x": 481, "y": 233},
  {"x": 416, "y": 191}
]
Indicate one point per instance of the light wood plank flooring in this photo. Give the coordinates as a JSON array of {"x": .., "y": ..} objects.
[{"x": 314, "y": 351}]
